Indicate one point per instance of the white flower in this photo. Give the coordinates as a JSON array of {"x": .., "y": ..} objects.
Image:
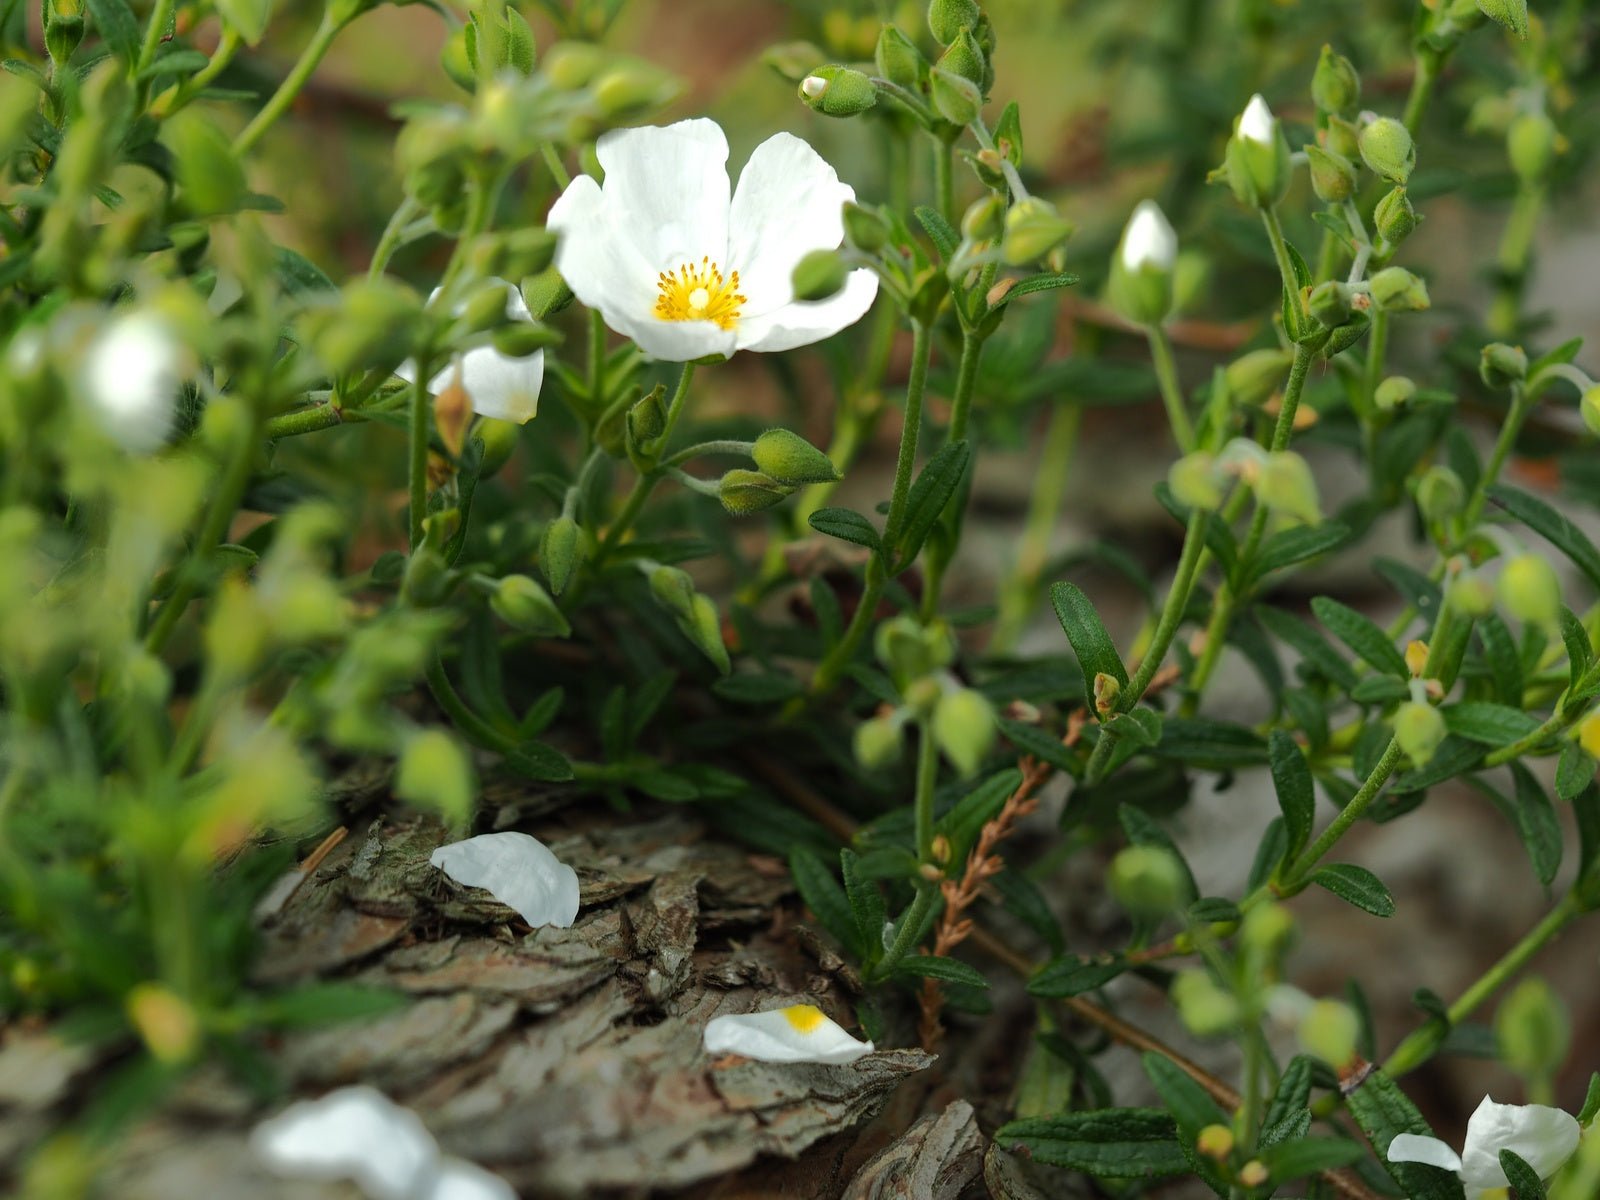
[
  {"x": 132, "y": 375},
  {"x": 672, "y": 263},
  {"x": 517, "y": 870},
  {"x": 357, "y": 1133},
  {"x": 799, "y": 1033},
  {"x": 1542, "y": 1137},
  {"x": 1258, "y": 124},
  {"x": 1149, "y": 239},
  {"x": 500, "y": 386}
]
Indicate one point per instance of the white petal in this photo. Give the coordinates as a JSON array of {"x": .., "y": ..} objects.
[
  {"x": 132, "y": 377},
  {"x": 500, "y": 386},
  {"x": 1543, "y": 1137},
  {"x": 517, "y": 870},
  {"x": 1410, "y": 1147},
  {"x": 800, "y": 323},
  {"x": 789, "y": 202},
  {"x": 1258, "y": 124},
  {"x": 461, "y": 1180},
  {"x": 799, "y": 1033},
  {"x": 667, "y": 189},
  {"x": 1149, "y": 239},
  {"x": 354, "y": 1133}
]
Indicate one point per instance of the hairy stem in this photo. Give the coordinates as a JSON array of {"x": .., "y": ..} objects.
[
  {"x": 310, "y": 58},
  {"x": 1171, "y": 392}
]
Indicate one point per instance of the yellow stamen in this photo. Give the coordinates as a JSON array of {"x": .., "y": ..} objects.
[
  {"x": 699, "y": 293},
  {"x": 804, "y": 1017}
]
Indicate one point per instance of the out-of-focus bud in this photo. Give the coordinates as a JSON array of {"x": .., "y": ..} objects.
[
  {"x": 965, "y": 58},
  {"x": 1252, "y": 377},
  {"x": 1204, "y": 1007},
  {"x": 211, "y": 177},
  {"x": 235, "y": 631},
  {"x": 985, "y": 219},
  {"x": 1254, "y": 1173},
  {"x": 522, "y": 604},
  {"x": 1147, "y": 880},
  {"x": 1215, "y": 1142},
  {"x": 957, "y": 99},
  {"x": 1440, "y": 493},
  {"x": 1194, "y": 480},
  {"x": 1419, "y": 729},
  {"x": 1387, "y": 148},
  {"x": 1341, "y": 137},
  {"x": 165, "y": 1021},
  {"x": 1257, "y": 162},
  {"x": 790, "y": 459},
  {"x": 632, "y": 86},
  {"x": 560, "y": 551},
  {"x": 1416, "y": 657},
  {"x": 1529, "y": 589},
  {"x": 1395, "y": 289},
  {"x": 1501, "y": 365},
  {"x": 1033, "y": 229},
  {"x": 673, "y": 590},
  {"x": 1589, "y": 734},
  {"x": 1140, "y": 284},
  {"x": 1333, "y": 176},
  {"x": 1534, "y": 1030},
  {"x": 837, "y": 91},
  {"x": 1335, "y": 86},
  {"x": 964, "y": 728},
  {"x": 457, "y": 62},
  {"x": 1286, "y": 486},
  {"x": 1265, "y": 932},
  {"x": 1589, "y": 406},
  {"x": 878, "y": 741},
  {"x": 704, "y": 629},
  {"x": 1531, "y": 143},
  {"x": 898, "y": 59},
  {"x": 436, "y": 774},
  {"x": 1329, "y": 1031},
  {"x": 949, "y": 19},
  {"x": 909, "y": 650},
  {"x": 818, "y": 275},
  {"x": 1394, "y": 218},
  {"x": 1472, "y": 596},
  {"x": 1393, "y": 392},
  {"x": 745, "y": 492},
  {"x": 63, "y": 28},
  {"x": 1330, "y": 303},
  {"x": 374, "y": 323},
  {"x": 865, "y": 228}
]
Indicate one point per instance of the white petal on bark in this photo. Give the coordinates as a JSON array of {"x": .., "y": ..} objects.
[
  {"x": 800, "y": 323},
  {"x": 771, "y": 1037},
  {"x": 500, "y": 386},
  {"x": 1257, "y": 124},
  {"x": 354, "y": 1133},
  {"x": 1543, "y": 1137},
  {"x": 1410, "y": 1147},
  {"x": 132, "y": 376},
  {"x": 789, "y": 202},
  {"x": 1149, "y": 239},
  {"x": 669, "y": 187},
  {"x": 517, "y": 870},
  {"x": 461, "y": 1180}
]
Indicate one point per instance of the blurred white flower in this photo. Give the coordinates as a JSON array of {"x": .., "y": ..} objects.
[
  {"x": 671, "y": 262},
  {"x": 1541, "y": 1136},
  {"x": 1258, "y": 124},
  {"x": 1149, "y": 239},
  {"x": 519, "y": 871},
  {"x": 500, "y": 386},
  {"x": 357, "y": 1133},
  {"x": 796, "y": 1034},
  {"x": 131, "y": 378}
]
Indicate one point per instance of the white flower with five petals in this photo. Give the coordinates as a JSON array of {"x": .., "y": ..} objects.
[
  {"x": 1541, "y": 1136},
  {"x": 500, "y": 386},
  {"x": 673, "y": 261}
]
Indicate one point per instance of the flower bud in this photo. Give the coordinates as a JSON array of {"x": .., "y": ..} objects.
[
  {"x": 1534, "y": 1030},
  {"x": 647, "y": 418},
  {"x": 898, "y": 59},
  {"x": 790, "y": 459},
  {"x": 1395, "y": 289},
  {"x": 545, "y": 294},
  {"x": 63, "y": 29},
  {"x": 672, "y": 588},
  {"x": 1140, "y": 284},
  {"x": 964, "y": 728},
  {"x": 1257, "y": 162},
  {"x": 435, "y": 774},
  {"x": 1147, "y": 880},
  {"x": 1393, "y": 392},
  {"x": 878, "y": 741},
  {"x": 1529, "y": 589},
  {"x": 1501, "y": 365},
  {"x": 818, "y": 275},
  {"x": 1472, "y": 596},
  {"x": 522, "y": 604},
  {"x": 963, "y": 57},
  {"x": 1335, "y": 86},
  {"x": 949, "y": 19},
  {"x": 1589, "y": 406},
  {"x": 1416, "y": 657},
  {"x": 560, "y": 551},
  {"x": 865, "y": 228},
  {"x": 837, "y": 91},
  {"x": 572, "y": 65},
  {"x": 1033, "y": 229},
  {"x": 1346, "y": 335},
  {"x": 1215, "y": 1142},
  {"x": 1252, "y": 377},
  {"x": 1194, "y": 481},
  {"x": 1531, "y": 143},
  {"x": 523, "y": 252},
  {"x": 956, "y": 98},
  {"x": 1286, "y": 487},
  {"x": 1266, "y": 931},
  {"x": 1107, "y": 691},
  {"x": 1440, "y": 493},
  {"x": 985, "y": 219},
  {"x": 1254, "y": 1173},
  {"x": 1333, "y": 176},
  {"x": 1419, "y": 729},
  {"x": 457, "y": 61},
  {"x": 165, "y": 1021},
  {"x": 922, "y": 696},
  {"x": 1204, "y": 1007},
  {"x": 1394, "y": 218},
  {"x": 704, "y": 629},
  {"x": 1342, "y": 138},
  {"x": 1330, "y": 303},
  {"x": 745, "y": 492},
  {"x": 909, "y": 650},
  {"x": 1387, "y": 148},
  {"x": 1329, "y": 1031},
  {"x": 632, "y": 87}
]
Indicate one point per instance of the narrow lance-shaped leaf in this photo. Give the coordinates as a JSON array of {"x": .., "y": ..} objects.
[
  {"x": 1097, "y": 655},
  {"x": 1291, "y": 779}
]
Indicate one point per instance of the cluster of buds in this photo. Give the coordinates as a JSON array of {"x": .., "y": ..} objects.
[
  {"x": 1282, "y": 480},
  {"x": 694, "y": 612},
  {"x": 960, "y": 719}
]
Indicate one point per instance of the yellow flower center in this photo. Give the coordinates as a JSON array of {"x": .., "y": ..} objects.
[
  {"x": 699, "y": 293},
  {"x": 804, "y": 1017}
]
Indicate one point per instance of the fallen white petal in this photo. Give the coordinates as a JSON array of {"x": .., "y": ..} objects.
[
  {"x": 1413, "y": 1148},
  {"x": 132, "y": 376},
  {"x": 1541, "y": 1136},
  {"x": 798, "y": 1033},
  {"x": 461, "y": 1180},
  {"x": 1149, "y": 239},
  {"x": 519, "y": 871},
  {"x": 355, "y": 1133},
  {"x": 1258, "y": 124}
]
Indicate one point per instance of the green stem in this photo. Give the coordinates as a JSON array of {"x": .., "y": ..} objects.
[
  {"x": 154, "y": 32},
  {"x": 552, "y": 160},
  {"x": 1019, "y": 591},
  {"x": 1516, "y": 250},
  {"x": 1428, "y": 64},
  {"x": 966, "y": 377},
  {"x": 389, "y": 242},
  {"x": 906, "y": 461},
  {"x": 281, "y": 99},
  {"x": 922, "y": 802},
  {"x": 646, "y": 482},
  {"x": 186, "y": 91},
  {"x": 417, "y": 470},
  {"x": 906, "y": 932},
  {"x": 1171, "y": 392},
  {"x": 597, "y": 359},
  {"x": 1293, "y": 877},
  {"x": 308, "y": 420},
  {"x": 1291, "y": 281},
  {"x": 1521, "y": 405},
  {"x": 1556, "y": 723},
  {"x": 944, "y": 187}
]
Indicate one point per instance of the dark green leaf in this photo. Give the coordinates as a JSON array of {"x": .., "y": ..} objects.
[
  {"x": 866, "y": 901},
  {"x": 118, "y": 27},
  {"x": 950, "y": 970},
  {"x": 944, "y": 238},
  {"x": 1139, "y": 726},
  {"x": 1576, "y": 639},
  {"x": 1546, "y": 521},
  {"x": 1191, "y": 1106},
  {"x": 1454, "y": 756},
  {"x": 1143, "y": 831},
  {"x": 846, "y": 525},
  {"x": 1307, "y": 1156},
  {"x": 1070, "y": 975},
  {"x": 1032, "y": 740},
  {"x": 1292, "y": 1096},
  {"x": 1536, "y": 823},
  {"x": 1486, "y": 723},
  {"x": 1383, "y": 1111},
  {"x": 536, "y": 760},
  {"x": 824, "y": 897},
  {"x": 1023, "y": 899},
  {"x": 1097, "y": 655},
  {"x": 1114, "y": 1143},
  {"x": 962, "y": 823},
  {"x": 319, "y": 1004},
  {"x": 1380, "y": 689},
  {"x": 929, "y": 495},
  {"x": 1357, "y": 885},
  {"x": 1039, "y": 283},
  {"x": 1291, "y": 778},
  {"x": 771, "y": 688},
  {"x": 1290, "y": 546},
  {"x": 1574, "y": 772},
  {"x": 298, "y": 274},
  {"x": 1361, "y": 635},
  {"x": 1312, "y": 646},
  {"x": 1198, "y": 742},
  {"x": 1505, "y": 664},
  {"x": 1524, "y": 1180},
  {"x": 1269, "y": 853},
  {"x": 1591, "y": 1101}
]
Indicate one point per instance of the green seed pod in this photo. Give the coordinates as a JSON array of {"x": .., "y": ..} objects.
[
  {"x": 1529, "y": 589},
  {"x": 704, "y": 629},
  {"x": 910, "y": 651},
  {"x": 1387, "y": 148},
  {"x": 1329, "y": 1031},
  {"x": 898, "y": 59},
  {"x": 1335, "y": 86},
  {"x": 1253, "y": 377},
  {"x": 1333, "y": 176},
  {"x": 1440, "y": 493},
  {"x": 1501, "y": 365},
  {"x": 1531, "y": 143},
  {"x": 790, "y": 459},
  {"x": 963, "y": 57},
  {"x": 569, "y": 66},
  {"x": 1394, "y": 218},
  {"x": 435, "y": 774},
  {"x": 865, "y": 228},
  {"x": 1419, "y": 729},
  {"x": 1147, "y": 881},
  {"x": 956, "y": 98},
  {"x": 1194, "y": 482},
  {"x": 1033, "y": 229},
  {"x": 878, "y": 742},
  {"x": 673, "y": 590},
  {"x": 1286, "y": 486},
  {"x": 745, "y": 492},
  {"x": 1395, "y": 289},
  {"x": 985, "y": 219},
  {"x": 964, "y": 727},
  {"x": 949, "y": 19},
  {"x": 837, "y": 91},
  {"x": 1472, "y": 596},
  {"x": 1393, "y": 392},
  {"x": 560, "y": 552},
  {"x": 1257, "y": 162},
  {"x": 1204, "y": 1007},
  {"x": 522, "y": 604},
  {"x": 1331, "y": 303},
  {"x": 818, "y": 275},
  {"x": 1266, "y": 931}
]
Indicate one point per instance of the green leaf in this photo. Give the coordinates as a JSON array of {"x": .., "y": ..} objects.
[
  {"x": 1505, "y": 664},
  {"x": 297, "y": 274},
  {"x": 1537, "y": 825},
  {"x": 1097, "y": 655},
  {"x": 770, "y": 688},
  {"x": 1023, "y": 899},
  {"x": 1383, "y": 1111},
  {"x": 1032, "y": 740},
  {"x": 1139, "y": 726},
  {"x": 1548, "y": 523},
  {"x": 824, "y": 897},
  {"x": 1069, "y": 975},
  {"x": 1486, "y": 723},
  {"x": 1454, "y": 756},
  {"x": 1574, "y": 772},
  {"x": 866, "y": 901},
  {"x": 1270, "y": 851},
  {"x": 118, "y": 27},
  {"x": 1357, "y": 885},
  {"x": 1524, "y": 1180},
  {"x": 1513, "y": 14},
  {"x": 1310, "y": 644},
  {"x": 950, "y": 970},
  {"x": 1290, "y": 546},
  {"x": 1218, "y": 745},
  {"x": 944, "y": 238},
  {"x": 318, "y": 1004},
  {"x": 1291, "y": 779},
  {"x": 929, "y": 494},
  {"x": 1580, "y": 654},
  {"x": 1307, "y": 1156},
  {"x": 1142, "y": 830},
  {"x": 1038, "y": 283},
  {"x": 967, "y": 817},
  {"x": 1113, "y": 1143},
  {"x": 1361, "y": 635},
  {"x": 1591, "y": 1101},
  {"x": 534, "y": 759},
  {"x": 1191, "y": 1106},
  {"x": 846, "y": 525},
  {"x": 1291, "y": 1098}
]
